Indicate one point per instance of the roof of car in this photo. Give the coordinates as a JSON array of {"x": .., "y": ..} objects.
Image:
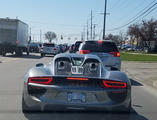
[{"x": 99, "y": 40}]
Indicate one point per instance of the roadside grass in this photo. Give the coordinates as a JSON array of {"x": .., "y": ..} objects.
[{"x": 125, "y": 56}]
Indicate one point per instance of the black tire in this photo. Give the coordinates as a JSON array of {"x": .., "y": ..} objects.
[
  {"x": 18, "y": 52},
  {"x": 123, "y": 110},
  {"x": 42, "y": 54},
  {"x": 128, "y": 110},
  {"x": 25, "y": 108},
  {"x": 3, "y": 54},
  {"x": 27, "y": 53}
]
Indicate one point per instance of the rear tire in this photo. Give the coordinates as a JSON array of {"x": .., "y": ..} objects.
[
  {"x": 42, "y": 54},
  {"x": 123, "y": 110},
  {"x": 18, "y": 52},
  {"x": 128, "y": 110},
  {"x": 27, "y": 109},
  {"x": 3, "y": 54},
  {"x": 27, "y": 53}
]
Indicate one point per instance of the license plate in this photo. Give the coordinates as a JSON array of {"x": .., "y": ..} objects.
[{"x": 76, "y": 97}]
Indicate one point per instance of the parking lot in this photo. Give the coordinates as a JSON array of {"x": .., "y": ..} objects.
[{"x": 13, "y": 70}]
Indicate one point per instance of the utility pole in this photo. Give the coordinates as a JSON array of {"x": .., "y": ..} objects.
[
  {"x": 40, "y": 36},
  {"x": 94, "y": 27},
  {"x": 81, "y": 36},
  {"x": 87, "y": 30},
  {"x": 91, "y": 25},
  {"x": 84, "y": 33},
  {"x": 104, "y": 27}
]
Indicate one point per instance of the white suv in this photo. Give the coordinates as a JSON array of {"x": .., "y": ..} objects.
[{"x": 50, "y": 49}]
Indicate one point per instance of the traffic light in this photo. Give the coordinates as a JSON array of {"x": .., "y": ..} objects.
[{"x": 61, "y": 37}]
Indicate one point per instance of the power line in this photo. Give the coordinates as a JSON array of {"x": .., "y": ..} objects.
[
  {"x": 135, "y": 9},
  {"x": 150, "y": 8},
  {"x": 37, "y": 22},
  {"x": 142, "y": 10},
  {"x": 149, "y": 12}
]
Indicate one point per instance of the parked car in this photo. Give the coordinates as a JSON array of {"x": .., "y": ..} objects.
[
  {"x": 75, "y": 82},
  {"x": 50, "y": 49},
  {"x": 76, "y": 46},
  {"x": 106, "y": 50},
  {"x": 34, "y": 47}
]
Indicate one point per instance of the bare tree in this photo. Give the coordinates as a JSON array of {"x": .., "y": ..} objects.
[
  {"x": 50, "y": 36},
  {"x": 143, "y": 33},
  {"x": 115, "y": 38}
]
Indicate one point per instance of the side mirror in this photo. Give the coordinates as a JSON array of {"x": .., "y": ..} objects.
[{"x": 40, "y": 65}]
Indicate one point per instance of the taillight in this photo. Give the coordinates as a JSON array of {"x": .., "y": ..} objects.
[
  {"x": 116, "y": 54},
  {"x": 41, "y": 48},
  {"x": 85, "y": 51},
  {"x": 17, "y": 42},
  {"x": 55, "y": 49},
  {"x": 40, "y": 80},
  {"x": 114, "y": 84}
]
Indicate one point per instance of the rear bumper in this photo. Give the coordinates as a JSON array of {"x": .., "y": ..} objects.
[
  {"x": 55, "y": 102},
  {"x": 50, "y": 53}
]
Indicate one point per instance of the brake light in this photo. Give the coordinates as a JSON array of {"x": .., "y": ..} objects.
[
  {"x": 85, "y": 51},
  {"x": 55, "y": 49},
  {"x": 116, "y": 54},
  {"x": 17, "y": 42},
  {"x": 81, "y": 79},
  {"x": 100, "y": 41},
  {"x": 40, "y": 80},
  {"x": 114, "y": 84}
]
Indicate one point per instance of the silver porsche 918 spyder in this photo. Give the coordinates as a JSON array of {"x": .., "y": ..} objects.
[{"x": 75, "y": 82}]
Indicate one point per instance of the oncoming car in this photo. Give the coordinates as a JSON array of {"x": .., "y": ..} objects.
[{"x": 75, "y": 82}]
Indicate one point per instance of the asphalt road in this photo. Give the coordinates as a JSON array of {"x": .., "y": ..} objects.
[{"x": 12, "y": 71}]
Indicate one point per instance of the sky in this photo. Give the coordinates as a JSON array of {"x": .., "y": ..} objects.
[{"x": 69, "y": 17}]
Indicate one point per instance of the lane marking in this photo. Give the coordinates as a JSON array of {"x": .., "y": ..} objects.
[{"x": 9, "y": 60}]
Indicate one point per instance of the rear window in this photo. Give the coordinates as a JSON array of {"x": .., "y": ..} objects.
[
  {"x": 48, "y": 45},
  {"x": 33, "y": 44},
  {"x": 94, "y": 46},
  {"x": 78, "y": 43}
]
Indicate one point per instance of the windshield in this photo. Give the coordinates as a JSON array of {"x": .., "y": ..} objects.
[{"x": 78, "y": 59}]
